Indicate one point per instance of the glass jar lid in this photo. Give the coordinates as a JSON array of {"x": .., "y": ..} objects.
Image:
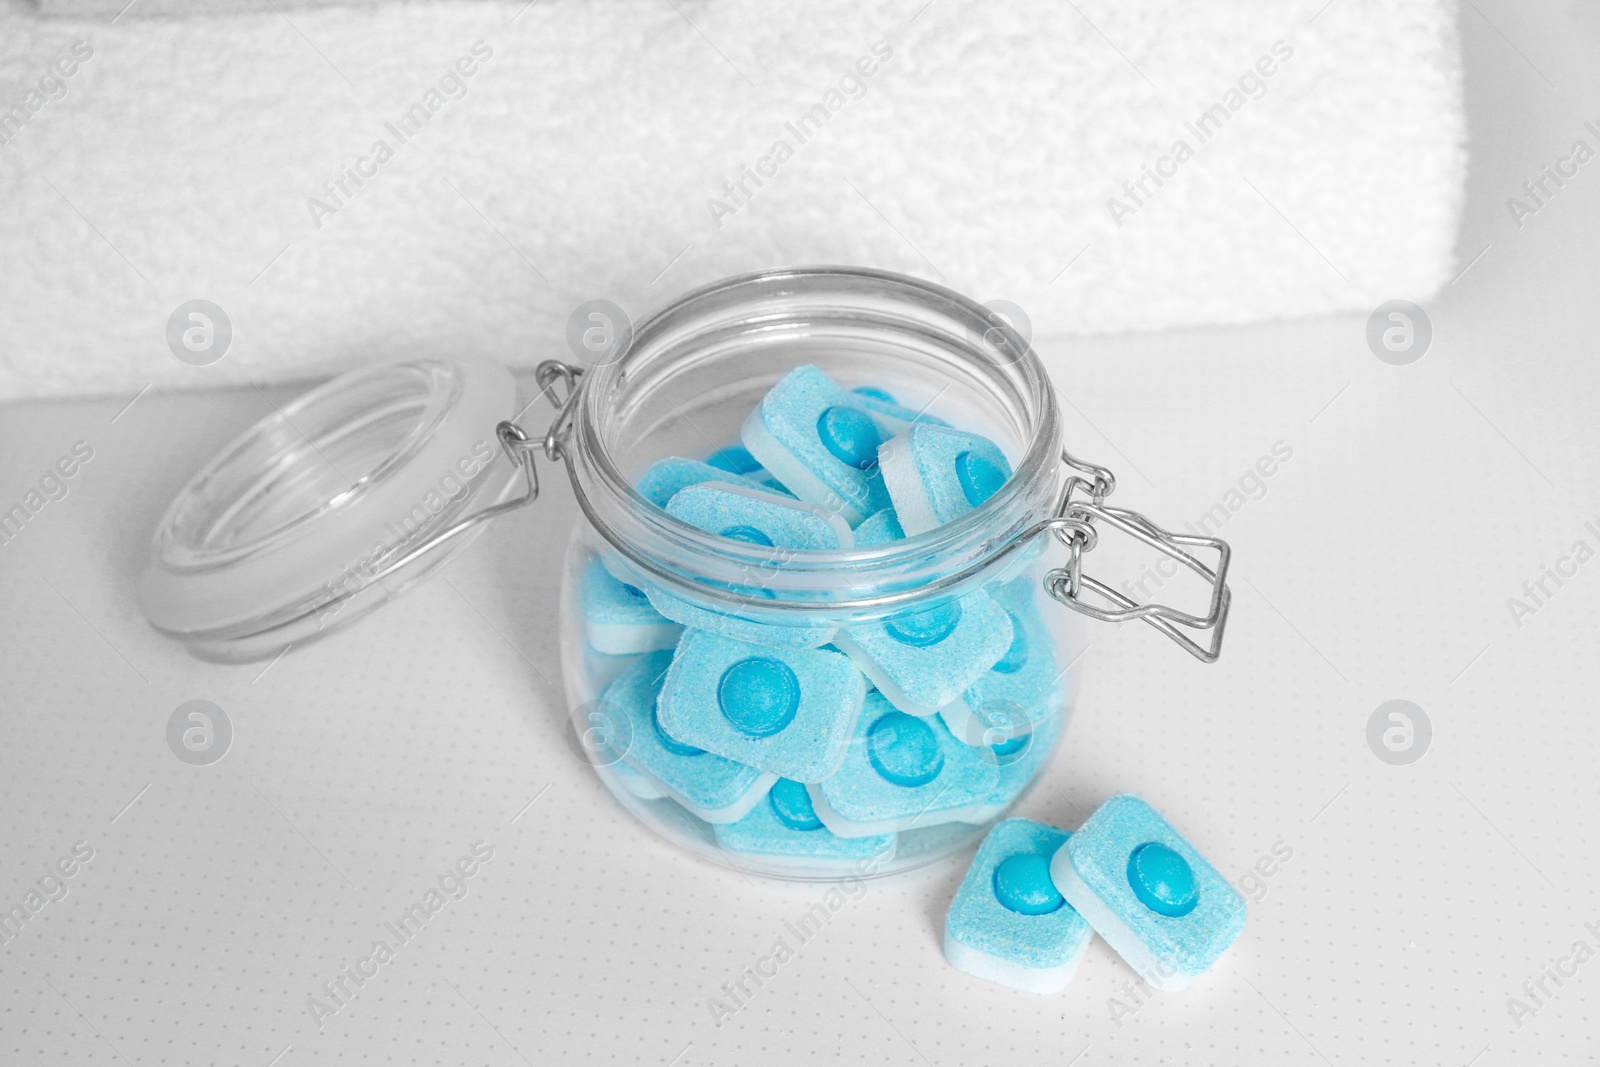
[{"x": 330, "y": 506}]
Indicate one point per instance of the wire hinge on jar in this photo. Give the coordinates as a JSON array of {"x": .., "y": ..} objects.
[
  {"x": 520, "y": 448},
  {"x": 1074, "y": 526},
  {"x": 517, "y": 443}
]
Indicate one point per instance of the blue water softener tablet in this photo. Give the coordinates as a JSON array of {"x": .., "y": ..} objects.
[
  {"x": 888, "y": 412},
  {"x": 784, "y": 827},
  {"x": 1021, "y": 687},
  {"x": 924, "y": 659},
  {"x": 1158, "y": 903},
  {"x": 902, "y": 772},
  {"x": 617, "y": 617},
  {"x": 785, "y": 711},
  {"x": 757, "y": 517},
  {"x": 665, "y": 477},
  {"x": 1008, "y": 923},
  {"x": 820, "y": 442},
  {"x": 717, "y": 790},
  {"x": 935, "y": 474}
]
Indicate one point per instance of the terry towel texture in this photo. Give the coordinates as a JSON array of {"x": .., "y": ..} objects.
[
  {"x": 349, "y": 183},
  {"x": 171, "y": 8}
]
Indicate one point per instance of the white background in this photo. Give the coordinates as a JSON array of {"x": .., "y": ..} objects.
[{"x": 1377, "y": 566}]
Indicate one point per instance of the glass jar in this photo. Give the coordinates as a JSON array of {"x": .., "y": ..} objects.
[{"x": 292, "y": 533}]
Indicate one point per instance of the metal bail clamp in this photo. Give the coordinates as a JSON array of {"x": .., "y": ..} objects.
[
  {"x": 1074, "y": 526},
  {"x": 520, "y": 448}
]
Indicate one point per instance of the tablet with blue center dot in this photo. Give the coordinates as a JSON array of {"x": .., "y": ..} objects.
[
  {"x": 1008, "y": 923},
  {"x": 820, "y": 442},
  {"x": 784, "y": 826},
  {"x": 924, "y": 659},
  {"x": 902, "y": 772},
  {"x": 935, "y": 474},
  {"x": 1144, "y": 888},
  {"x": 717, "y": 790},
  {"x": 755, "y": 517},
  {"x": 788, "y": 712}
]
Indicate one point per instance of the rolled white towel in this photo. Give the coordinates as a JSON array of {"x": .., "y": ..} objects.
[
  {"x": 119, "y": 9},
  {"x": 631, "y": 149}
]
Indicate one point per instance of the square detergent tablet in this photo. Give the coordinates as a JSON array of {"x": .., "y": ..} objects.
[
  {"x": 1158, "y": 903},
  {"x": 757, "y": 517},
  {"x": 664, "y": 478},
  {"x": 617, "y": 617},
  {"x": 902, "y": 772},
  {"x": 1021, "y": 687},
  {"x": 786, "y": 711},
  {"x": 935, "y": 474},
  {"x": 784, "y": 826},
  {"x": 716, "y": 789},
  {"x": 1008, "y": 923},
  {"x": 820, "y": 442},
  {"x": 926, "y": 658}
]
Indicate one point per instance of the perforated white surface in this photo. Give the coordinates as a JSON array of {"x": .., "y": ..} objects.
[{"x": 1417, "y": 902}]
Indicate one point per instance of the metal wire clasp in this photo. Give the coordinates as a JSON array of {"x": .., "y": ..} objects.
[
  {"x": 1074, "y": 526},
  {"x": 516, "y": 443},
  {"x": 520, "y": 447},
  {"x": 547, "y": 374}
]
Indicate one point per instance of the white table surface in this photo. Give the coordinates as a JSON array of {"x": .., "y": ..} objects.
[{"x": 1378, "y": 565}]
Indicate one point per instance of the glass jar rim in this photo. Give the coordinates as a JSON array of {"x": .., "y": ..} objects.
[{"x": 951, "y": 556}]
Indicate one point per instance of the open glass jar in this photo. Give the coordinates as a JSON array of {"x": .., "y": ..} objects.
[{"x": 260, "y": 550}]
